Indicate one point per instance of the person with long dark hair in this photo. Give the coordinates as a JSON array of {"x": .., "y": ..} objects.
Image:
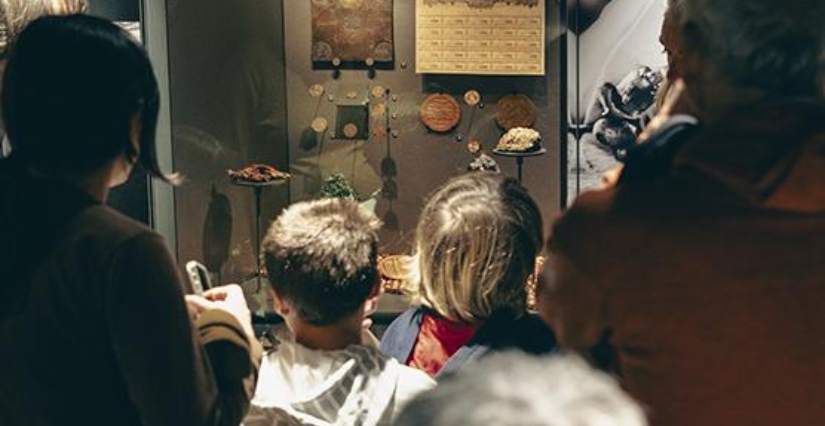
[{"x": 93, "y": 323}]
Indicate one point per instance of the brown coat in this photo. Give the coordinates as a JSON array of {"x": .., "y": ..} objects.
[
  {"x": 710, "y": 280},
  {"x": 93, "y": 326}
]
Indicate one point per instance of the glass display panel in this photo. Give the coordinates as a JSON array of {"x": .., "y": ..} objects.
[{"x": 331, "y": 94}]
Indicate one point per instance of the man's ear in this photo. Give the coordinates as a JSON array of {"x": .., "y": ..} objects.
[
  {"x": 371, "y": 304},
  {"x": 282, "y": 307},
  {"x": 377, "y": 289},
  {"x": 693, "y": 52}
]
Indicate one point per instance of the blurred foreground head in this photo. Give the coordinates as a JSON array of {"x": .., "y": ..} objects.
[{"x": 512, "y": 388}]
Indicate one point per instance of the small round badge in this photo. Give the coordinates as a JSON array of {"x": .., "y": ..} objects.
[
  {"x": 378, "y": 110},
  {"x": 474, "y": 146},
  {"x": 316, "y": 90},
  {"x": 350, "y": 131},
  {"x": 378, "y": 91},
  {"x": 320, "y": 124},
  {"x": 380, "y": 131},
  {"x": 472, "y": 97}
]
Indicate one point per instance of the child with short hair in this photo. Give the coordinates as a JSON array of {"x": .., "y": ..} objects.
[{"x": 321, "y": 257}]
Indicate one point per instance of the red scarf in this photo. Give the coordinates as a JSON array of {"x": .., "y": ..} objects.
[{"x": 438, "y": 340}]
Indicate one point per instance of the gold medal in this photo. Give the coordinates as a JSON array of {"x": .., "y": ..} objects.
[
  {"x": 350, "y": 131},
  {"x": 316, "y": 90},
  {"x": 472, "y": 97},
  {"x": 320, "y": 125},
  {"x": 474, "y": 146}
]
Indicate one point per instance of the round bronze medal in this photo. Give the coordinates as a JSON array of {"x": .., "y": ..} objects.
[
  {"x": 474, "y": 146},
  {"x": 440, "y": 113},
  {"x": 380, "y": 131},
  {"x": 378, "y": 110},
  {"x": 350, "y": 131},
  {"x": 320, "y": 124},
  {"x": 472, "y": 97},
  {"x": 516, "y": 111},
  {"x": 378, "y": 91},
  {"x": 316, "y": 90}
]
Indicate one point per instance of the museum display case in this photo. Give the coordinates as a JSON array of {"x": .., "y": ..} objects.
[{"x": 382, "y": 101}]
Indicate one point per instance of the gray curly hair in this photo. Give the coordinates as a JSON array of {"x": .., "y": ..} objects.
[
  {"x": 513, "y": 388},
  {"x": 776, "y": 46}
]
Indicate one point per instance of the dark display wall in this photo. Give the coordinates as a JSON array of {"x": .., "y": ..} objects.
[
  {"x": 417, "y": 161},
  {"x": 116, "y": 10}
]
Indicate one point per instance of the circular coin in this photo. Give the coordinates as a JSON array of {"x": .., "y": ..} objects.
[
  {"x": 320, "y": 124},
  {"x": 378, "y": 110},
  {"x": 350, "y": 131},
  {"x": 316, "y": 90},
  {"x": 516, "y": 111},
  {"x": 383, "y": 51},
  {"x": 440, "y": 113},
  {"x": 378, "y": 91},
  {"x": 474, "y": 146},
  {"x": 321, "y": 51},
  {"x": 380, "y": 131},
  {"x": 472, "y": 97}
]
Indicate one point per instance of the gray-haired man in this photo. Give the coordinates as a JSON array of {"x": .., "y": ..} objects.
[{"x": 709, "y": 279}]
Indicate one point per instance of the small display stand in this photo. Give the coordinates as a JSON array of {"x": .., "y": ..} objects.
[
  {"x": 257, "y": 188},
  {"x": 520, "y": 156}
]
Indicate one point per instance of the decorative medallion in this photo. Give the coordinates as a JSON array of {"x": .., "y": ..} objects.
[
  {"x": 350, "y": 131},
  {"x": 440, "y": 113},
  {"x": 378, "y": 92},
  {"x": 316, "y": 90},
  {"x": 320, "y": 125},
  {"x": 516, "y": 111},
  {"x": 472, "y": 97},
  {"x": 380, "y": 132},
  {"x": 378, "y": 109},
  {"x": 474, "y": 146}
]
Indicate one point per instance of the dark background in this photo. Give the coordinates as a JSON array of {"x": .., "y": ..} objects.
[
  {"x": 132, "y": 198},
  {"x": 117, "y": 10}
]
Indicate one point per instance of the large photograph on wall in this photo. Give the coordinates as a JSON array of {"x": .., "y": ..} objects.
[{"x": 617, "y": 67}]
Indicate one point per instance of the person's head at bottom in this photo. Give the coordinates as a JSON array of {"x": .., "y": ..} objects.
[
  {"x": 475, "y": 246},
  {"x": 80, "y": 103},
  {"x": 512, "y": 388},
  {"x": 322, "y": 263}
]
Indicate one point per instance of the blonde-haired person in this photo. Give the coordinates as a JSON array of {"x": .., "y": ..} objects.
[
  {"x": 476, "y": 244},
  {"x": 14, "y": 16}
]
